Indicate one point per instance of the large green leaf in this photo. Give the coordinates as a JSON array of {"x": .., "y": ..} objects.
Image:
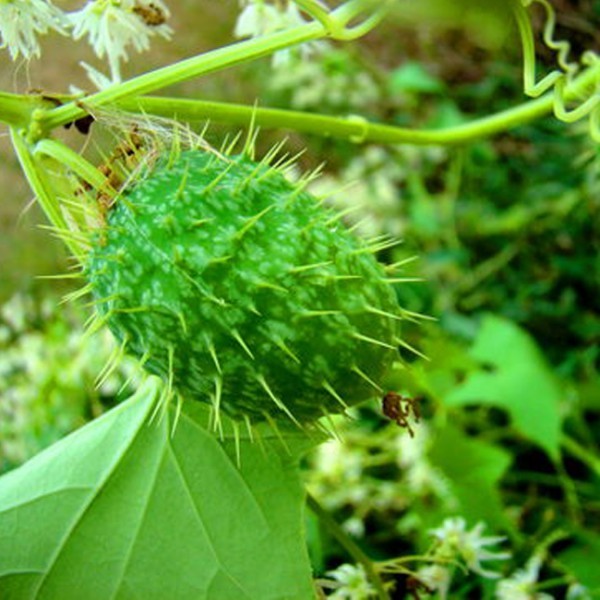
[
  {"x": 582, "y": 560},
  {"x": 473, "y": 469},
  {"x": 125, "y": 509},
  {"x": 515, "y": 376}
]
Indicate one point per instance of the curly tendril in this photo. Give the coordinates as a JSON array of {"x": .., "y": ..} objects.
[
  {"x": 575, "y": 85},
  {"x": 337, "y": 22}
]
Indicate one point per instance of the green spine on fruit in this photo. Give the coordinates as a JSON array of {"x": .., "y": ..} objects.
[{"x": 242, "y": 290}]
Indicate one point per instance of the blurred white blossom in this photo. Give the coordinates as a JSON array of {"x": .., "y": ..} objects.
[
  {"x": 521, "y": 584},
  {"x": 113, "y": 26},
  {"x": 48, "y": 371},
  {"x": 420, "y": 475},
  {"x": 577, "y": 591},
  {"x": 437, "y": 578},
  {"x": 99, "y": 79},
  {"x": 259, "y": 17},
  {"x": 456, "y": 542},
  {"x": 21, "y": 21},
  {"x": 354, "y": 526},
  {"x": 256, "y": 19},
  {"x": 333, "y": 84},
  {"x": 378, "y": 178},
  {"x": 338, "y": 462},
  {"x": 353, "y": 583}
]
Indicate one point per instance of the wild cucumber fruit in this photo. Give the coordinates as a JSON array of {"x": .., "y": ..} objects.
[{"x": 242, "y": 290}]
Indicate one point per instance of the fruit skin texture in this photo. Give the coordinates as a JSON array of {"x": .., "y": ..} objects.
[{"x": 240, "y": 289}]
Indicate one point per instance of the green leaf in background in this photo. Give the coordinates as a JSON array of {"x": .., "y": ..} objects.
[
  {"x": 515, "y": 376},
  {"x": 582, "y": 560},
  {"x": 124, "y": 509},
  {"x": 474, "y": 469},
  {"x": 411, "y": 77}
]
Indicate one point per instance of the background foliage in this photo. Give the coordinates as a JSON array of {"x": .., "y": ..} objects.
[{"x": 506, "y": 232}]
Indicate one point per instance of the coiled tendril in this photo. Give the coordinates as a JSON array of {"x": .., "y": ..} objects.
[{"x": 576, "y": 85}]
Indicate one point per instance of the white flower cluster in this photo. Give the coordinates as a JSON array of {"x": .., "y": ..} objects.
[
  {"x": 351, "y": 583},
  {"x": 331, "y": 84},
  {"x": 260, "y": 17},
  {"x": 21, "y": 21},
  {"x": 455, "y": 543},
  {"x": 521, "y": 584},
  {"x": 379, "y": 179},
  {"x": 111, "y": 26},
  {"x": 48, "y": 375},
  {"x": 114, "y": 25}
]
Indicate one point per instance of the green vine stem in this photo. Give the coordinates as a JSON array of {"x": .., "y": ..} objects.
[
  {"x": 32, "y": 118},
  {"x": 531, "y": 87},
  {"x": 203, "y": 64},
  {"x": 43, "y": 190},
  {"x": 349, "y": 545},
  {"x": 578, "y": 451},
  {"x": 340, "y": 18},
  {"x": 81, "y": 167},
  {"x": 353, "y": 127},
  {"x": 335, "y": 25},
  {"x": 585, "y": 98},
  {"x": 16, "y": 109}
]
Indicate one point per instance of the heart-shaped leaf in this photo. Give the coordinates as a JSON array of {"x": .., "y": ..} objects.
[
  {"x": 125, "y": 508},
  {"x": 514, "y": 375}
]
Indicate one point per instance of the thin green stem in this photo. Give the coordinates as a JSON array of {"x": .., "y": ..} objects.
[
  {"x": 583, "y": 454},
  {"x": 570, "y": 492},
  {"x": 315, "y": 9},
  {"x": 349, "y": 545},
  {"x": 581, "y": 90},
  {"x": 354, "y": 128},
  {"x": 16, "y": 109},
  {"x": 73, "y": 160},
  {"x": 528, "y": 47},
  {"x": 203, "y": 64},
  {"x": 486, "y": 269},
  {"x": 343, "y": 15},
  {"x": 47, "y": 199}
]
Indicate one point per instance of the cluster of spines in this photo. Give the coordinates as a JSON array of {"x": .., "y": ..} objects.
[{"x": 270, "y": 164}]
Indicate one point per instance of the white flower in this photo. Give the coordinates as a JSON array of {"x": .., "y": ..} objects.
[
  {"x": 14, "y": 312},
  {"x": 256, "y": 19},
  {"x": 437, "y": 578},
  {"x": 521, "y": 584},
  {"x": 112, "y": 26},
  {"x": 577, "y": 591},
  {"x": 354, "y": 526},
  {"x": 261, "y": 18},
  {"x": 22, "y": 20},
  {"x": 420, "y": 475},
  {"x": 338, "y": 463},
  {"x": 353, "y": 583},
  {"x": 456, "y": 541},
  {"x": 100, "y": 80}
]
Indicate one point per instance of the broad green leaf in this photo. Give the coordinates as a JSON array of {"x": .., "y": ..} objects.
[
  {"x": 582, "y": 560},
  {"x": 124, "y": 508},
  {"x": 413, "y": 78},
  {"x": 515, "y": 376},
  {"x": 473, "y": 469},
  {"x": 437, "y": 376}
]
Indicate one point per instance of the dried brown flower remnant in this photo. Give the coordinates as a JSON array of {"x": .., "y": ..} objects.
[{"x": 399, "y": 408}]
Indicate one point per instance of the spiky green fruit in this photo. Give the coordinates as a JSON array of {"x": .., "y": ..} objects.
[{"x": 242, "y": 290}]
